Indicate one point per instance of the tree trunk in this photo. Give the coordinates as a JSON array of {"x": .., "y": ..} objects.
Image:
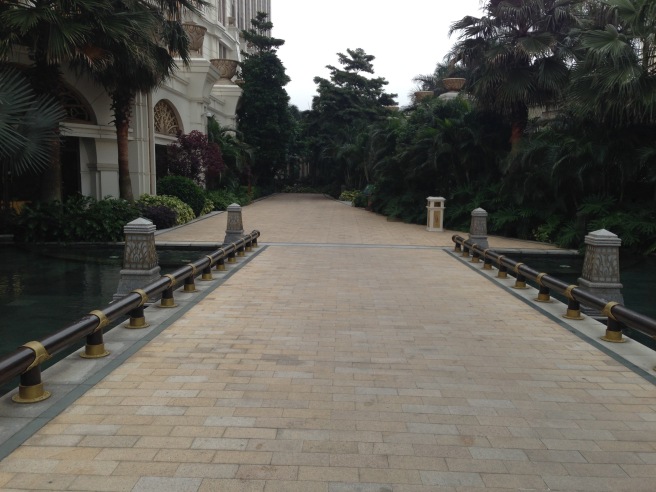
[{"x": 122, "y": 112}]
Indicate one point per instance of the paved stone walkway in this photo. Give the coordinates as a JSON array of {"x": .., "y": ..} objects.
[{"x": 338, "y": 368}]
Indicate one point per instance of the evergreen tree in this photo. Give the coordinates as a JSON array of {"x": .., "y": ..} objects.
[
  {"x": 263, "y": 117},
  {"x": 346, "y": 105}
]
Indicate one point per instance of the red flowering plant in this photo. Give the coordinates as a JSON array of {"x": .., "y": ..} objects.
[{"x": 194, "y": 157}]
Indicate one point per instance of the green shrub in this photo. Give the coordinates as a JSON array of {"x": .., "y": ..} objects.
[
  {"x": 184, "y": 213},
  {"x": 349, "y": 195},
  {"x": 300, "y": 189},
  {"x": 360, "y": 200},
  {"x": 78, "y": 218},
  {"x": 207, "y": 207},
  {"x": 185, "y": 189},
  {"x": 221, "y": 198},
  {"x": 160, "y": 215}
]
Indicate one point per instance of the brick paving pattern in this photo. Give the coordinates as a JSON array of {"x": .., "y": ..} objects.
[{"x": 339, "y": 368}]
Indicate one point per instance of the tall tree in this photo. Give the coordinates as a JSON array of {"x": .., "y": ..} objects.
[
  {"x": 614, "y": 79},
  {"x": 263, "y": 117},
  {"x": 517, "y": 55},
  {"x": 143, "y": 65},
  {"x": 346, "y": 104}
]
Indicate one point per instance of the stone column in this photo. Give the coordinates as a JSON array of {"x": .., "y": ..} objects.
[
  {"x": 601, "y": 268},
  {"x": 140, "y": 263},
  {"x": 478, "y": 228},
  {"x": 235, "y": 228}
]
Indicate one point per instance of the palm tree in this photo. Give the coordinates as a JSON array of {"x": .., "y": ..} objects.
[
  {"x": 56, "y": 32},
  {"x": 140, "y": 67},
  {"x": 517, "y": 55},
  {"x": 614, "y": 80},
  {"x": 27, "y": 128}
]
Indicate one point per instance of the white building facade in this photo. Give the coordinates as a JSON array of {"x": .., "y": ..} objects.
[{"x": 206, "y": 88}]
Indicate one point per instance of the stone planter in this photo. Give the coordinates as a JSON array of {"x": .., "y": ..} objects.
[
  {"x": 196, "y": 35},
  {"x": 227, "y": 68},
  {"x": 453, "y": 84},
  {"x": 421, "y": 95}
]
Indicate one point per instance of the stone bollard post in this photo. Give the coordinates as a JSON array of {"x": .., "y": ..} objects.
[
  {"x": 140, "y": 263},
  {"x": 601, "y": 268},
  {"x": 235, "y": 227},
  {"x": 478, "y": 228}
]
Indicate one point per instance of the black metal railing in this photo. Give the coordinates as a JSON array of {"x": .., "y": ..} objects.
[
  {"x": 26, "y": 360},
  {"x": 618, "y": 315}
]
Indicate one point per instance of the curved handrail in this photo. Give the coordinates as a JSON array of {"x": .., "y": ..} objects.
[
  {"x": 25, "y": 361},
  {"x": 616, "y": 313}
]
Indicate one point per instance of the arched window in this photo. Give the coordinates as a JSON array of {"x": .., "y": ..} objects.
[
  {"x": 166, "y": 121},
  {"x": 76, "y": 107}
]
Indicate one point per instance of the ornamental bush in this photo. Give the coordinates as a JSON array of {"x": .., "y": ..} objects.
[
  {"x": 222, "y": 198},
  {"x": 208, "y": 207},
  {"x": 78, "y": 218},
  {"x": 184, "y": 213},
  {"x": 160, "y": 215},
  {"x": 185, "y": 189}
]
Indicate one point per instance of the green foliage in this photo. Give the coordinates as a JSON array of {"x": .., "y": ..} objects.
[
  {"x": 339, "y": 145},
  {"x": 207, "y": 207},
  {"x": 160, "y": 215},
  {"x": 78, "y": 218},
  {"x": 263, "y": 117},
  {"x": 185, "y": 189},
  {"x": 349, "y": 195},
  {"x": 183, "y": 212},
  {"x": 298, "y": 188},
  {"x": 225, "y": 197}
]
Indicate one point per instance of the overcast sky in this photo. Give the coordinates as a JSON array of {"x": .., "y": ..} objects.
[{"x": 407, "y": 37}]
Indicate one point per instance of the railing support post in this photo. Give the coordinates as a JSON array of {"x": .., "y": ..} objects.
[
  {"x": 503, "y": 269},
  {"x": 543, "y": 294},
  {"x": 207, "y": 271},
  {"x": 190, "y": 281},
  {"x": 31, "y": 389},
  {"x": 520, "y": 280},
  {"x": 573, "y": 306},
  {"x": 220, "y": 265},
  {"x": 137, "y": 316},
  {"x": 95, "y": 345},
  {"x": 167, "y": 296},
  {"x": 613, "y": 327}
]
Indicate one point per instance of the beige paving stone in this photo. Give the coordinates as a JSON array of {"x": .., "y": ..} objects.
[
  {"x": 104, "y": 484},
  {"x": 144, "y": 469},
  {"x": 267, "y": 472},
  {"x": 328, "y": 473},
  {"x": 40, "y": 481},
  {"x": 231, "y": 485}
]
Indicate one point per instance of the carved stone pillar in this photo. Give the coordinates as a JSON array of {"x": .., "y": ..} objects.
[
  {"x": 601, "y": 268},
  {"x": 235, "y": 227},
  {"x": 478, "y": 228},
  {"x": 140, "y": 262}
]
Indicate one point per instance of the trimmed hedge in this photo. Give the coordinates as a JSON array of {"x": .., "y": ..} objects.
[
  {"x": 185, "y": 189},
  {"x": 184, "y": 213}
]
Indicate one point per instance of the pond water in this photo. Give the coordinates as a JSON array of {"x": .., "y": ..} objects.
[{"x": 41, "y": 292}]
